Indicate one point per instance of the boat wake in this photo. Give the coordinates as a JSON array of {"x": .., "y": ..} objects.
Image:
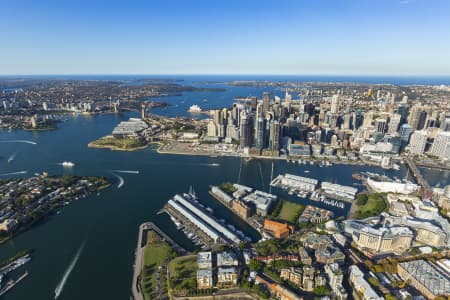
[
  {"x": 11, "y": 158},
  {"x": 211, "y": 165},
  {"x": 59, "y": 288},
  {"x": 14, "y": 173},
  {"x": 19, "y": 141},
  {"x": 126, "y": 171},
  {"x": 121, "y": 181}
]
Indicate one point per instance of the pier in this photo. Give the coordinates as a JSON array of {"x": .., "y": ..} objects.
[{"x": 12, "y": 283}]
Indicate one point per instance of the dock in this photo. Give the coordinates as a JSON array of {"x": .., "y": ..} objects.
[{"x": 12, "y": 283}]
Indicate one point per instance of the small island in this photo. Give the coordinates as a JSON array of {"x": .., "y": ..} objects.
[{"x": 25, "y": 201}]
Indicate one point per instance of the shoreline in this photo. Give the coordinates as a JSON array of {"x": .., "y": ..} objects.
[
  {"x": 287, "y": 159},
  {"x": 25, "y": 227}
]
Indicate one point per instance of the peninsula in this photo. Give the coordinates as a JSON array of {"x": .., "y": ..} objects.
[{"x": 25, "y": 201}]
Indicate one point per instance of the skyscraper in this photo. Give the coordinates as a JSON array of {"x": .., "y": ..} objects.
[
  {"x": 414, "y": 116},
  {"x": 403, "y": 110},
  {"x": 288, "y": 99},
  {"x": 358, "y": 119},
  {"x": 394, "y": 122},
  {"x": 335, "y": 104},
  {"x": 422, "y": 119},
  {"x": 405, "y": 133},
  {"x": 266, "y": 102},
  {"x": 260, "y": 134},
  {"x": 418, "y": 142},
  {"x": 441, "y": 145},
  {"x": 380, "y": 125},
  {"x": 246, "y": 130},
  {"x": 274, "y": 139}
]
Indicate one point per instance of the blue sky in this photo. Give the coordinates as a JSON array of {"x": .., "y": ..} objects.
[{"x": 367, "y": 37}]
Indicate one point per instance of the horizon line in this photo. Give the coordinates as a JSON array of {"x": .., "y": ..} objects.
[{"x": 228, "y": 74}]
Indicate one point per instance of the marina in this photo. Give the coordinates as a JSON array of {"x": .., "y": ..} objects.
[
  {"x": 10, "y": 267},
  {"x": 127, "y": 207},
  {"x": 196, "y": 221}
]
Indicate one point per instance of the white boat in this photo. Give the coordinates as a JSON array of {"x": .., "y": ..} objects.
[
  {"x": 306, "y": 171},
  {"x": 68, "y": 164}
]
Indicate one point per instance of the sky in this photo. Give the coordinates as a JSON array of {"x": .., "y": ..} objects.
[{"x": 317, "y": 37}]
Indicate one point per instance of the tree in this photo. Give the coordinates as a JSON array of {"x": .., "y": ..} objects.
[
  {"x": 255, "y": 265},
  {"x": 321, "y": 290},
  {"x": 361, "y": 199}
]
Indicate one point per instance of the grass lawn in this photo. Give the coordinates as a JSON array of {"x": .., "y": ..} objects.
[
  {"x": 374, "y": 205},
  {"x": 155, "y": 254},
  {"x": 183, "y": 272},
  {"x": 290, "y": 211},
  {"x": 125, "y": 143},
  {"x": 228, "y": 187}
]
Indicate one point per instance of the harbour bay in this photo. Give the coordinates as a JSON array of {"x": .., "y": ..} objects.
[{"x": 107, "y": 224}]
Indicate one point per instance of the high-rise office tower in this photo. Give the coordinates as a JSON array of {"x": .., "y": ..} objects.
[
  {"x": 274, "y": 139},
  {"x": 380, "y": 125},
  {"x": 418, "y": 142},
  {"x": 260, "y": 133},
  {"x": 217, "y": 116},
  {"x": 266, "y": 102},
  {"x": 422, "y": 119},
  {"x": 335, "y": 104},
  {"x": 414, "y": 116},
  {"x": 394, "y": 123},
  {"x": 441, "y": 145},
  {"x": 358, "y": 119},
  {"x": 405, "y": 133},
  {"x": 403, "y": 110},
  {"x": 245, "y": 128},
  {"x": 288, "y": 99}
]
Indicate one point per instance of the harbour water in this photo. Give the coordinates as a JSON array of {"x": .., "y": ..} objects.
[{"x": 108, "y": 223}]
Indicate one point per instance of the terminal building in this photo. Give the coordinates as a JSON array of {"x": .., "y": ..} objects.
[
  {"x": 393, "y": 187},
  {"x": 341, "y": 191},
  {"x": 201, "y": 220},
  {"x": 132, "y": 128},
  {"x": 294, "y": 182}
]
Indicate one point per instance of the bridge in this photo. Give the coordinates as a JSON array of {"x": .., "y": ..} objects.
[{"x": 426, "y": 189}]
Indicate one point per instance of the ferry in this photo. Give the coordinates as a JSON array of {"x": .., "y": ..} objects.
[{"x": 68, "y": 164}]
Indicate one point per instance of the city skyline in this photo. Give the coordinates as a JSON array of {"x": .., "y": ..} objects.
[{"x": 394, "y": 38}]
